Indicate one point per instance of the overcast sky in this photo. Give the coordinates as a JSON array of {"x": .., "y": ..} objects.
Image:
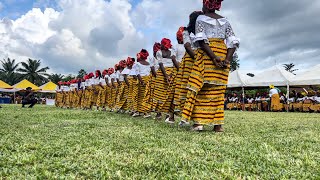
[{"x": 68, "y": 35}]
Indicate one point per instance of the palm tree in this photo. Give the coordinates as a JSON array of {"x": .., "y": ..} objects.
[
  {"x": 289, "y": 68},
  {"x": 55, "y": 78},
  {"x": 8, "y": 71},
  {"x": 32, "y": 71}
]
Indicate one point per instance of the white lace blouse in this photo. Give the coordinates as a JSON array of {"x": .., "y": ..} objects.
[
  {"x": 133, "y": 71},
  {"x": 167, "y": 62},
  {"x": 207, "y": 27},
  {"x": 143, "y": 70},
  {"x": 189, "y": 38},
  {"x": 154, "y": 62},
  {"x": 180, "y": 52}
]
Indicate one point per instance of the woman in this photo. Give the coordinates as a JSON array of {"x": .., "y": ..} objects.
[
  {"x": 135, "y": 86},
  {"x": 143, "y": 74},
  {"x": 59, "y": 95},
  {"x": 101, "y": 100},
  {"x": 109, "y": 88},
  {"x": 114, "y": 83},
  {"x": 208, "y": 80},
  {"x": 149, "y": 102},
  {"x": 121, "y": 94},
  {"x": 275, "y": 99},
  {"x": 186, "y": 64},
  {"x": 164, "y": 89},
  {"x": 129, "y": 78}
]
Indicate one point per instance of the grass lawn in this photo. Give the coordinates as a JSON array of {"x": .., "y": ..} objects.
[{"x": 47, "y": 143}]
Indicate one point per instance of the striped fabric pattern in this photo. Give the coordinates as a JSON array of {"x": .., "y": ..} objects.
[
  {"x": 206, "y": 88},
  {"x": 141, "y": 95}
]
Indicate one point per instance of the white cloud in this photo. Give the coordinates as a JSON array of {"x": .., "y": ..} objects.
[{"x": 96, "y": 34}]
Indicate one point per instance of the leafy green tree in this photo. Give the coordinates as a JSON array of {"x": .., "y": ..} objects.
[
  {"x": 235, "y": 63},
  {"x": 55, "y": 78},
  {"x": 290, "y": 68},
  {"x": 81, "y": 73},
  {"x": 8, "y": 71},
  {"x": 32, "y": 71}
]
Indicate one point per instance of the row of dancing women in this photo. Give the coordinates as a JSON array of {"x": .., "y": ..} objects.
[{"x": 188, "y": 80}]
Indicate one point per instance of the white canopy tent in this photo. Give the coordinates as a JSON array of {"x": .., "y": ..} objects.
[
  {"x": 275, "y": 75},
  {"x": 310, "y": 77},
  {"x": 236, "y": 79}
]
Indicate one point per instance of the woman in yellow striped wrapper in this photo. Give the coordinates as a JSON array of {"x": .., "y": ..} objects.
[
  {"x": 59, "y": 95},
  {"x": 96, "y": 87},
  {"x": 135, "y": 86},
  {"x": 164, "y": 89},
  {"x": 83, "y": 95},
  {"x": 148, "y": 102},
  {"x": 109, "y": 88},
  {"x": 130, "y": 78},
  {"x": 101, "y": 100},
  {"x": 209, "y": 77},
  {"x": 122, "y": 94},
  {"x": 114, "y": 81},
  {"x": 89, "y": 91},
  {"x": 186, "y": 64},
  {"x": 143, "y": 74}
]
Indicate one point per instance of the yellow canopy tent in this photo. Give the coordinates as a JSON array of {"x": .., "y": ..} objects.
[
  {"x": 49, "y": 87},
  {"x": 22, "y": 85},
  {"x": 4, "y": 85}
]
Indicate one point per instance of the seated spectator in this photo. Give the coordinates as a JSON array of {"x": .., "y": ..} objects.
[{"x": 28, "y": 98}]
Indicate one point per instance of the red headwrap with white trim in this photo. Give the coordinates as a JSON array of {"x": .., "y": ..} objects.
[
  {"x": 144, "y": 54},
  {"x": 212, "y": 4},
  {"x": 180, "y": 35},
  {"x": 166, "y": 43}
]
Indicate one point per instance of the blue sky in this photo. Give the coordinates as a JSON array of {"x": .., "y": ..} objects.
[{"x": 13, "y": 9}]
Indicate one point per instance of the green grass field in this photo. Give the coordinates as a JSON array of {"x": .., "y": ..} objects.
[{"x": 50, "y": 143}]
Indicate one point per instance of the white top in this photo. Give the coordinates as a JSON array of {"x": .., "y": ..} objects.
[
  {"x": 113, "y": 76},
  {"x": 301, "y": 99},
  {"x": 154, "y": 62},
  {"x": 167, "y": 62},
  {"x": 207, "y": 27},
  {"x": 108, "y": 78},
  {"x": 180, "y": 52},
  {"x": 258, "y": 99},
  {"x": 143, "y": 70},
  {"x": 121, "y": 77},
  {"x": 73, "y": 86},
  {"x": 133, "y": 71},
  {"x": 189, "y": 38},
  {"x": 272, "y": 92},
  {"x": 83, "y": 85},
  {"x": 118, "y": 74},
  {"x": 88, "y": 82},
  {"x": 291, "y": 100},
  {"x": 316, "y": 98},
  {"x": 234, "y": 99},
  {"x": 65, "y": 88},
  {"x": 102, "y": 81},
  {"x": 126, "y": 71},
  {"x": 250, "y": 100},
  {"x": 58, "y": 89}
]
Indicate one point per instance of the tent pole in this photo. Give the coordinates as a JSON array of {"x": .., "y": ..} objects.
[
  {"x": 243, "y": 105},
  {"x": 288, "y": 96},
  {"x": 14, "y": 97}
]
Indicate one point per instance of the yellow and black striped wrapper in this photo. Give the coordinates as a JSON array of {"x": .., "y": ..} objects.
[
  {"x": 164, "y": 92},
  {"x": 206, "y": 87},
  {"x": 122, "y": 96},
  {"x": 101, "y": 100},
  {"x": 59, "y": 99},
  {"x": 182, "y": 79},
  {"x": 141, "y": 95}
]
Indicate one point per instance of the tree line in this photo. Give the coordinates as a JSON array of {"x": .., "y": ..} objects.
[{"x": 12, "y": 72}]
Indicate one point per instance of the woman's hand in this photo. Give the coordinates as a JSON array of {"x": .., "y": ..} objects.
[
  {"x": 217, "y": 62},
  {"x": 226, "y": 63}
]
